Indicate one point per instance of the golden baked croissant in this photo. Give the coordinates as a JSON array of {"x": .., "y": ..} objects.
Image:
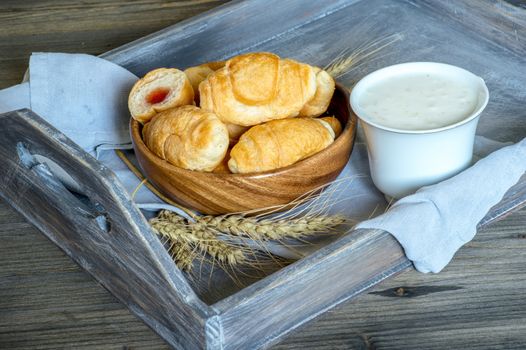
[
  {"x": 279, "y": 143},
  {"x": 199, "y": 73},
  {"x": 187, "y": 137},
  {"x": 256, "y": 87},
  {"x": 324, "y": 90},
  {"x": 157, "y": 91},
  {"x": 235, "y": 132},
  {"x": 335, "y": 125}
]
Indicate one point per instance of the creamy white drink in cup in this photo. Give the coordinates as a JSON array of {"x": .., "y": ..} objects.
[{"x": 419, "y": 121}]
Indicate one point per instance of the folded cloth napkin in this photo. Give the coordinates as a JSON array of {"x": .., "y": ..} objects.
[
  {"x": 85, "y": 97},
  {"x": 437, "y": 220},
  {"x": 15, "y": 97}
]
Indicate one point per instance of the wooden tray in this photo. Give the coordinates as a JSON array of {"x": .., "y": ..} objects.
[{"x": 106, "y": 234}]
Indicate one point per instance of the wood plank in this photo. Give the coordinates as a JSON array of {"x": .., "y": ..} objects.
[
  {"x": 49, "y": 302},
  {"x": 217, "y": 36},
  {"x": 91, "y": 27},
  {"x": 507, "y": 21}
]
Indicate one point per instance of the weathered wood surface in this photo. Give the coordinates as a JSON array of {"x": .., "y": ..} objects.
[
  {"x": 102, "y": 231},
  {"x": 122, "y": 253},
  {"x": 92, "y": 27},
  {"x": 381, "y": 320},
  {"x": 477, "y": 302}
]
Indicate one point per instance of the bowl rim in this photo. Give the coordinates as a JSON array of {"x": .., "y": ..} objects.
[{"x": 350, "y": 127}]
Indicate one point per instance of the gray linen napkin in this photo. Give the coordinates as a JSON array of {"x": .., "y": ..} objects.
[
  {"x": 437, "y": 220},
  {"x": 85, "y": 97}
]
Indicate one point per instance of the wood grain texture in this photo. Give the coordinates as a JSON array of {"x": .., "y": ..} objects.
[
  {"x": 490, "y": 269},
  {"x": 218, "y": 38},
  {"x": 92, "y": 27},
  {"x": 102, "y": 231},
  {"x": 214, "y": 193},
  {"x": 475, "y": 303},
  {"x": 305, "y": 289},
  {"x": 50, "y": 303}
]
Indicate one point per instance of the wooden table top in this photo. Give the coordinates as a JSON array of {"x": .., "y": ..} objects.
[{"x": 48, "y": 302}]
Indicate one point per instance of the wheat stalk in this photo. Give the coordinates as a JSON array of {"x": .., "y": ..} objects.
[
  {"x": 348, "y": 59},
  {"x": 268, "y": 229},
  {"x": 212, "y": 236},
  {"x": 186, "y": 239},
  {"x": 183, "y": 254},
  {"x": 204, "y": 236}
]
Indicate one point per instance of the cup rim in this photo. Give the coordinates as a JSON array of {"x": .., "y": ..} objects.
[{"x": 406, "y": 66}]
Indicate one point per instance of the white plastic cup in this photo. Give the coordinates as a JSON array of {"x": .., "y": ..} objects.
[{"x": 402, "y": 161}]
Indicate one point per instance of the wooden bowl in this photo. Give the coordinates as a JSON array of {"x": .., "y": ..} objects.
[{"x": 214, "y": 193}]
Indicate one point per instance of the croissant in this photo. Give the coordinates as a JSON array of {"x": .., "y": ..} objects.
[
  {"x": 257, "y": 87},
  {"x": 235, "y": 132},
  {"x": 335, "y": 125},
  {"x": 199, "y": 73},
  {"x": 279, "y": 143},
  {"x": 324, "y": 90},
  {"x": 157, "y": 91},
  {"x": 187, "y": 137}
]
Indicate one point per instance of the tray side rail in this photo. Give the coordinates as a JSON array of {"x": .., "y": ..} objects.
[{"x": 215, "y": 34}]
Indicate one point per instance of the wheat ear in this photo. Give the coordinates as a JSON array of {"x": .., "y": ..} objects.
[
  {"x": 268, "y": 229},
  {"x": 186, "y": 240},
  {"x": 348, "y": 58}
]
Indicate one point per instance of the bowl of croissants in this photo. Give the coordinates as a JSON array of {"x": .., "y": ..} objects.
[{"x": 255, "y": 131}]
